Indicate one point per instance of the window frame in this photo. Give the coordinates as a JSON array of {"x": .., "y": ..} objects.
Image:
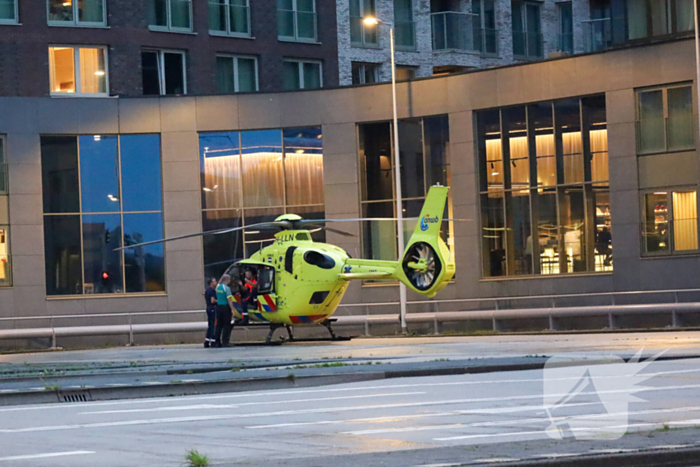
[
  {"x": 235, "y": 58},
  {"x": 664, "y": 93},
  {"x": 75, "y": 23},
  {"x": 523, "y": 14},
  {"x": 76, "y": 73},
  {"x": 412, "y": 23},
  {"x": 482, "y": 27},
  {"x": 363, "y": 67},
  {"x": 560, "y": 26},
  {"x": 296, "y": 38},
  {"x": 161, "y": 68},
  {"x": 671, "y": 218},
  {"x": 4, "y": 198},
  {"x": 81, "y": 213},
  {"x": 228, "y": 32},
  {"x": 300, "y": 69},
  {"x": 15, "y": 21},
  {"x": 170, "y": 27},
  {"x": 364, "y": 43}
]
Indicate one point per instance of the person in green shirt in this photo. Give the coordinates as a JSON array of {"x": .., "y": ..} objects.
[{"x": 224, "y": 312}]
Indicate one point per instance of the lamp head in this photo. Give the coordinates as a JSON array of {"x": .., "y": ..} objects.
[{"x": 371, "y": 21}]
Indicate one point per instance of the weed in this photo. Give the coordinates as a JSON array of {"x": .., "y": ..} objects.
[
  {"x": 53, "y": 387},
  {"x": 176, "y": 381},
  {"x": 196, "y": 459},
  {"x": 664, "y": 428},
  {"x": 235, "y": 370},
  {"x": 291, "y": 377}
]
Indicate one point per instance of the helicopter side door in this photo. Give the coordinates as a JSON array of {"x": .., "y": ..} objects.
[{"x": 267, "y": 298}]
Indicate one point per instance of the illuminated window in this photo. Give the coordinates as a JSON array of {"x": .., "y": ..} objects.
[
  {"x": 5, "y": 258},
  {"x": 670, "y": 222},
  {"x": 170, "y": 15},
  {"x": 545, "y": 198},
  {"x": 256, "y": 176},
  {"x": 8, "y": 12},
  {"x": 76, "y": 12},
  {"x": 78, "y": 70}
]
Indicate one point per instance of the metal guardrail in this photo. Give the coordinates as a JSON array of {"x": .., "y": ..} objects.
[{"x": 496, "y": 315}]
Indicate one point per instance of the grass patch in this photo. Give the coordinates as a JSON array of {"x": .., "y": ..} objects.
[
  {"x": 195, "y": 459},
  {"x": 52, "y": 387}
]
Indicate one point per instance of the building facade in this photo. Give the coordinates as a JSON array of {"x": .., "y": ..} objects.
[
  {"x": 165, "y": 47},
  {"x": 578, "y": 176}
]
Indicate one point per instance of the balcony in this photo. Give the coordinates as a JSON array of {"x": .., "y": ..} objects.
[
  {"x": 597, "y": 34},
  {"x": 454, "y": 31}
]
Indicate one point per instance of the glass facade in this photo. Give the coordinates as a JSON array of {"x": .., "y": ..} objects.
[
  {"x": 543, "y": 173},
  {"x": 255, "y": 176},
  {"x": 5, "y": 258},
  {"x": 102, "y": 192},
  {"x": 665, "y": 120},
  {"x": 424, "y": 151}
]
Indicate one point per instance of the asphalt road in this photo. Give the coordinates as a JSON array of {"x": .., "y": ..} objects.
[{"x": 430, "y": 420}]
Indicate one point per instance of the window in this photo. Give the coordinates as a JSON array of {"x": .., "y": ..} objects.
[
  {"x": 527, "y": 29},
  {"x": 301, "y": 74},
  {"x": 670, "y": 222},
  {"x": 78, "y": 70},
  {"x": 404, "y": 25},
  {"x": 296, "y": 20},
  {"x": 665, "y": 120},
  {"x": 566, "y": 28},
  {"x": 101, "y": 192},
  {"x": 164, "y": 72},
  {"x": 170, "y": 15},
  {"x": 424, "y": 146},
  {"x": 365, "y": 73},
  {"x": 5, "y": 262},
  {"x": 236, "y": 74},
  {"x": 545, "y": 198},
  {"x": 362, "y": 34},
  {"x": 8, "y": 12},
  {"x": 485, "y": 37},
  {"x": 75, "y": 13},
  {"x": 256, "y": 176},
  {"x": 229, "y": 17},
  {"x": 648, "y": 18}
]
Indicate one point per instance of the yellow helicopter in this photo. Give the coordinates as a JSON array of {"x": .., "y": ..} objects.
[{"x": 301, "y": 282}]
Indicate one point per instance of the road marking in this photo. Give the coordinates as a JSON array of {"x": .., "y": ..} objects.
[
  {"x": 543, "y": 433},
  {"x": 494, "y": 460},
  {"x": 191, "y": 380},
  {"x": 234, "y": 406},
  {"x": 9, "y": 390},
  {"x": 152, "y": 383},
  {"x": 117, "y": 385},
  {"x": 44, "y": 456},
  {"x": 323, "y": 389}
]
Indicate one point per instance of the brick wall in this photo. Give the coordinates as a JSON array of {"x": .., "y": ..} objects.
[{"x": 24, "y": 67}]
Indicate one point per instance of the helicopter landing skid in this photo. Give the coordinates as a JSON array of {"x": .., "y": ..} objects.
[{"x": 275, "y": 326}]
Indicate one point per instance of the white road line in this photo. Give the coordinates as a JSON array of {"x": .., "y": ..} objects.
[
  {"x": 152, "y": 383},
  {"x": 46, "y": 455},
  {"x": 543, "y": 433},
  {"x": 234, "y": 406},
  {"x": 191, "y": 380},
  {"x": 500, "y": 410},
  {"x": 323, "y": 390},
  {"x": 117, "y": 385},
  {"x": 494, "y": 460},
  {"x": 9, "y": 390}
]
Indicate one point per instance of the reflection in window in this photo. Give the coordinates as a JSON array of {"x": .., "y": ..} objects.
[
  {"x": 296, "y": 20},
  {"x": 236, "y": 74},
  {"x": 170, "y": 15},
  {"x": 424, "y": 146},
  {"x": 230, "y": 17},
  {"x": 78, "y": 70},
  {"x": 76, "y": 12},
  {"x": 665, "y": 120},
  {"x": 301, "y": 74},
  {"x": 670, "y": 222},
  {"x": 256, "y": 176},
  {"x": 559, "y": 223},
  {"x": 163, "y": 72},
  {"x": 8, "y": 12},
  {"x": 117, "y": 202}
]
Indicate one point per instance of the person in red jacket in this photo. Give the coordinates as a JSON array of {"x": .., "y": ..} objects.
[{"x": 250, "y": 289}]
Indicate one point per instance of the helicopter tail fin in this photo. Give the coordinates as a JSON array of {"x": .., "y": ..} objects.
[{"x": 427, "y": 264}]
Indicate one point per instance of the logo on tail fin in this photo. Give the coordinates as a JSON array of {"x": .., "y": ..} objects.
[{"x": 428, "y": 220}]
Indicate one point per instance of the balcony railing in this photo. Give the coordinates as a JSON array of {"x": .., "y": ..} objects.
[
  {"x": 527, "y": 44},
  {"x": 597, "y": 34},
  {"x": 453, "y": 30}
]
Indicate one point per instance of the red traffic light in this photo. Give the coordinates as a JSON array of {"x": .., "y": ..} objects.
[{"x": 105, "y": 275}]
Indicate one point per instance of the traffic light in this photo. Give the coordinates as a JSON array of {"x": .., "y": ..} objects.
[
  {"x": 105, "y": 280},
  {"x": 107, "y": 235}
]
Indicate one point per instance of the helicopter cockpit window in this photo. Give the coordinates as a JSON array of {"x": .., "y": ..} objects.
[
  {"x": 319, "y": 259},
  {"x": 303, "y": 236},
  {"x": 266, "y": 279},
  {"x": 235, "y": 272}
]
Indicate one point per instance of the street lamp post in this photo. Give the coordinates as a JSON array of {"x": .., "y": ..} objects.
[{"x": 397, "y": 166}]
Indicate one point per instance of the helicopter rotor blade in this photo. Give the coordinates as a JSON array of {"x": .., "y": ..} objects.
[
  {"x": 262, "y": 225},
  {"x": 340, "y": 232},
  {"x": 304, "y": 222}
]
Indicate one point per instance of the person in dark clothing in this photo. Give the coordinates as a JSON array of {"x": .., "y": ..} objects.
[
  {"x": 224, "y": 312},
  {"x": 210, "y": 299},
  {"x": 603, "y": 245},
  {"x": 250, "y": 291}
]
